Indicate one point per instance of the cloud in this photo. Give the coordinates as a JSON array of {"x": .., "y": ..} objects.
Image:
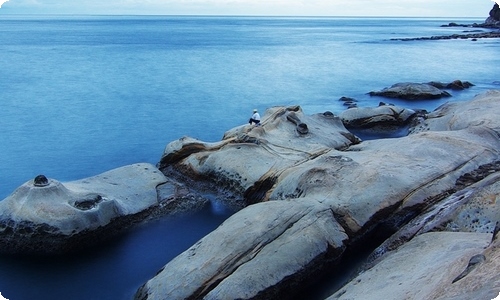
[{"x": 1, "y": 3}]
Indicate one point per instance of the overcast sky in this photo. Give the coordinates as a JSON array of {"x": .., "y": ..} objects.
[{"x": 418, "y": 8}]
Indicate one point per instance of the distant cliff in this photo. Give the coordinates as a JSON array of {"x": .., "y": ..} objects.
[{"x": 494, "y": 15}]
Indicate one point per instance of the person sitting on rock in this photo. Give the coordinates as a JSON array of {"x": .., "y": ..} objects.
[{"x": 255, "y": 118}]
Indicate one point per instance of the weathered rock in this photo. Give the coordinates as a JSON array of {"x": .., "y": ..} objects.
[
  {"x": 349, "y": 189},
  {"x": 420, "y": 269},
  {"x": 384, "y": 116},
  {"x": 256, "y": 253},
  {"x": 248, "y": 159},
  {"x": 47, "y": 216},
  {"x": 411, "y": 91},
  {"x": 480, "y": 281},
  {"x": 481, "y": 111}
]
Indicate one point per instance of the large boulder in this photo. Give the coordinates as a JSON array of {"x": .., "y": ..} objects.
[
  {"x": 380, "y": 116},
  {"x": 47, "y": 216},
  {"x": 411, "y": 91},
  {"x": 340, "y": 192}
]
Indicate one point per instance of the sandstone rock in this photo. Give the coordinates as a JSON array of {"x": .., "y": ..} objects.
[
  {"x": 349, "y": 189},
  {"x": 248, "y": 159},
  {"x": 256, "y": 253},
  {"x": 377, "y": 178},
  {"x": 481, "y": 212},
  {"x": 420, "y": 269},
  {"x": 481, "y": 281},
  {"x": 47, "y": 216},
  {"x": 411, "y": 91},
  {"x": 480, "y": 111}
]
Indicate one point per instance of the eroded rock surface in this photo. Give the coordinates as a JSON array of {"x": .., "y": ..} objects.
[
  {"x": 323, "y": 193},
  {"x": 420, "y": 269},
  {"x": 47, "y": 216}
]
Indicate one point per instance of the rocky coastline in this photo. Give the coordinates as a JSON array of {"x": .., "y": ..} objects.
[
  {"x": 309, "y": 193},
  {"x": 487, "y": 30}
]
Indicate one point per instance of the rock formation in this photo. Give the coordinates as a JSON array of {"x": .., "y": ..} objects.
[
  {"x": 310, "y": 193},
  {"x": 313, "y": 197},
  {"x": 411, "y": 91},
  {"x": 45, "y": 216},
  {"x": 494, "y": 15}
]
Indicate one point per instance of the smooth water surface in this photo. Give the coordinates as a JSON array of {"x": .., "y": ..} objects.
[{"x": 81, "y": 95}]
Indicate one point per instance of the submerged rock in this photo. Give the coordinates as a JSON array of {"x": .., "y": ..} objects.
[{"x": 320, "y": 195}]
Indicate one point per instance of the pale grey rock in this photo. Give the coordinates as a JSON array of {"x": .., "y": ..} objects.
[
  {"x": 259, "y": 250},
  {"x": 385, "y": 177},
  {"x": 411, "y": 91},
  {"x": 421, "y": 269},
  {"x": 53, "y": 217},
  {"x": 481, "y": 281},
  {"x": 483, "y": 110},
  {"x": 356, "y": 187},
  {"x": 249, "y": 158}
]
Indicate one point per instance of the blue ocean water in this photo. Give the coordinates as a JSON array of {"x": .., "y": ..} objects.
[{"x": 81, "y": 95}]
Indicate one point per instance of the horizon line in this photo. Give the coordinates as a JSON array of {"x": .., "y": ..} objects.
[{"x": 237, "y": 15}]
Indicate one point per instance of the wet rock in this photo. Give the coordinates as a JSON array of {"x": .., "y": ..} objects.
[
  {"x": 454, "y": 85},
  {"x": 40, "y": 181},
  {"x": 349, "y": 102},
  {"x": 411, "y": 91}
]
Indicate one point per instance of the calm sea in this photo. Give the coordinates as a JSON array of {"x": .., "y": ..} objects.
[{"x": 81, "y": 95}]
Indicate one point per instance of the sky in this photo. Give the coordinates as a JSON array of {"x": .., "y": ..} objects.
[{"x": 399, "y": 8}]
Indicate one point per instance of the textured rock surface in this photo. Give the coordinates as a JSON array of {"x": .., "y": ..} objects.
[
  {"x": 52, "y": 217},
  {"x": 481, "y": 111},
  {"x": 248, "y": 160},
  {"x": 251, "y": 253},
  {"x": 352, "y": 190},
  {"x": 418, "y": 270}
]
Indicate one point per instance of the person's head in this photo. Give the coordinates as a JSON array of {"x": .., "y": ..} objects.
[{"x": 255, "y": 110}]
